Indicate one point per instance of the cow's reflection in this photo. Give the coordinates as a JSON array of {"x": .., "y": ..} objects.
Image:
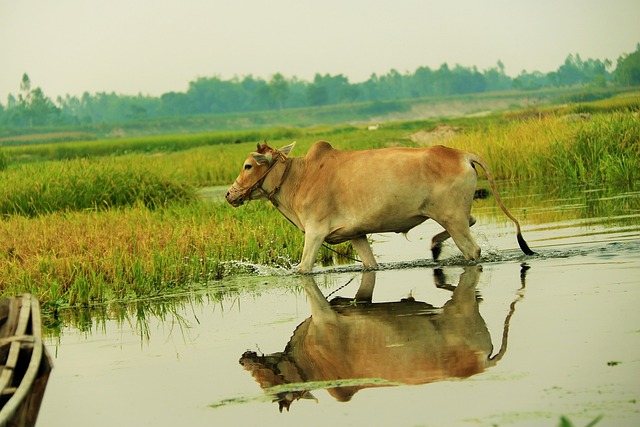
[{"x": 356, "y": 341}]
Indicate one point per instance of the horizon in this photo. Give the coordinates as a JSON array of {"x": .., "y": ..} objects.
[{"x": 155, "y": 47}]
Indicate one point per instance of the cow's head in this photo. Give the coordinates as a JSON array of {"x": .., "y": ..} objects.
[{"x": 248, "y": 185}]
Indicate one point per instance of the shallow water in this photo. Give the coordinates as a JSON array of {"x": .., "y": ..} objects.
[{"x": 521, "y": 341}]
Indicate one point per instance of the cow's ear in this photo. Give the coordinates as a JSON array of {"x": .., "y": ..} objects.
[
  {"x": 287, "y": 148},
  {"x": 262, "y": 159}
]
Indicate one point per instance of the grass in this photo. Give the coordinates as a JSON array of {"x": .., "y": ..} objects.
[
  {"x": 150, "y": 144},
  {"x": 566, "y": 422},
  {"x": 82, "y": 258},
  {"x": 85, "y": 184},
  {"x": 43, "y": 138},
  {"x": 603, "y": 148},
  {"x": 87, "y": 222}
]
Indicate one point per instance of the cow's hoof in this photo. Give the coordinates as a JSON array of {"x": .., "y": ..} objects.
[
  {"x": 301, "y": 270},
  {"x": 436, "y": 250}
]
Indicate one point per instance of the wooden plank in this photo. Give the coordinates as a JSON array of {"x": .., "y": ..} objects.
[
  {"x": 9, "y": 327},
  {"x": 4, "y": 310},
  {"x": 23, "y": 407},
  {"x": 21, "y": 329},
  {"x": 12, "y": 307}
]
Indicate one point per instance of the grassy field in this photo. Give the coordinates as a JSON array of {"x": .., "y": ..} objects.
[
  {"x": 360, "y": 113},
  {"x": 87, "y": 222}
]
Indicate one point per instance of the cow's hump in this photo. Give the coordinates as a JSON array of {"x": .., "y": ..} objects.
[{"x": 319, "y": 149}]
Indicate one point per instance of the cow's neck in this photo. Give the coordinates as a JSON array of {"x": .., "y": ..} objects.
[{"x": 280, "y": 185}]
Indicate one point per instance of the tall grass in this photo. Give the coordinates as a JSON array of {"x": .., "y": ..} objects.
[
  {"x": 552, "y": 147},
  {"x": 82, "y": 184},
  {"x": 87, "y": 257},
  {"x": 3, "y": 160}
]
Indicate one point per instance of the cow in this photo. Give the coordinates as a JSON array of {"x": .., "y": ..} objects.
[
  {"x": 350, "y": 344},
  {"x": 335, "y": 196}
]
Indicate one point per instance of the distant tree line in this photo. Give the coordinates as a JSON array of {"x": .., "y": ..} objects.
[{"x": 211, "y": 95}]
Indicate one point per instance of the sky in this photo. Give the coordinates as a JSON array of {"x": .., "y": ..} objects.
[{"x": 152, "y": 47}]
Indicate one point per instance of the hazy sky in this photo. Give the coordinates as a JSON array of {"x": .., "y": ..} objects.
[{"x": 157, "y": 46}]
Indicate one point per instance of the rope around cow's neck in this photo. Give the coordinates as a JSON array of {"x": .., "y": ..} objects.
[
  {"x": 341, "y": 287},
  {"x": 341, "y": 254},
  {"x": 280, "y": 156}
]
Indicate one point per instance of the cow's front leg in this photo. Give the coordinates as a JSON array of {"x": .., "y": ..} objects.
[
  {"x": 362, "y": 246},
  {"x": 367, "y": 283},
  {"x": 312, "y": 243}
]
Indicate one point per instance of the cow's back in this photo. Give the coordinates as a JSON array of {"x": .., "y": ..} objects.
[
  {"x": 379, "y": 341},
  {"x": 380, "y": 190}
]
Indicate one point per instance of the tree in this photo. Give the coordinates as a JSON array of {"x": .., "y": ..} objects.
[
  {"x": 443, "y": 83},
  {"x": 569, "y": 73},
  {"x": 279, "y": 90},
  {"x": 496, "y": 80},
  {"x": 530, "y": 81},
  {"x": 317, "y": 93},
  {"x": 25, "y": 84},
  {"x": 330, "y": 89},
  {"x": 467, "y": 80},
  {"x": 627, "y": 71},
  {"x": 33, "y": 108},
  {"x": 422, "y": 82},
  {"x": 40, "y": 110}
]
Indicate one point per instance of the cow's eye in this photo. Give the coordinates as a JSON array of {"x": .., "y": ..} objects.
[{"x": 247, "y": 166}]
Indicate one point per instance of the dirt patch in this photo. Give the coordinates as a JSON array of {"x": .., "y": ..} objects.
[{"x": 439, "y": 135}]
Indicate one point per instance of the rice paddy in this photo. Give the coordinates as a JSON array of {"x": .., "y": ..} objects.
[{"x": 87, "y": 222}]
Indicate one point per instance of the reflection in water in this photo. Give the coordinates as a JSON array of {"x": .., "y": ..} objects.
[
  {"x": 564, "y": 201},
  {"x": 137, "y": 314},
  {"x": 347, "y": 345}
]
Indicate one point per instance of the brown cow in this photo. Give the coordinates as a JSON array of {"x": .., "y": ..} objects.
[
  {"x": 362, "y": 344},
  {"x": 334, "y": 195}
]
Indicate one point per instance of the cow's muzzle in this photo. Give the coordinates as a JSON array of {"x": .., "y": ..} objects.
[{"x": 235, "y": 197}]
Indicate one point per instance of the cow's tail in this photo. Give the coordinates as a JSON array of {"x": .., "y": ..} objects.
[{"x": 478, "y": 160}]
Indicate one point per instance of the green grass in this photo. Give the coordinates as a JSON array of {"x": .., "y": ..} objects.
[
  {"x": 87, "y": 257},
  {"x": 605, "y": 147},
  {"x": 85, "y": 184},
  {"x": 149, "y": 144}
]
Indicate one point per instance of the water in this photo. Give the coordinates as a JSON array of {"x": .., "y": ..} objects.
[{"x": 524, "y": 341}]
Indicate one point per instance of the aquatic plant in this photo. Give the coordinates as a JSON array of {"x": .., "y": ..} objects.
[{"x": 566, "y": 422}]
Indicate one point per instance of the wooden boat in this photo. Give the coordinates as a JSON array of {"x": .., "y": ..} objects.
[{"x": 24, "y": 362}]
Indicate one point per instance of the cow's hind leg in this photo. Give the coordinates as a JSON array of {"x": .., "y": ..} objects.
[
  {"x": 461, "y": 235},
  {"x": 438, "y": 239},
  {"x": 362, "y": 246}
]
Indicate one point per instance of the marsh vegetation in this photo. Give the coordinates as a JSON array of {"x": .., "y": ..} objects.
[{"x": 104, "y": 220}]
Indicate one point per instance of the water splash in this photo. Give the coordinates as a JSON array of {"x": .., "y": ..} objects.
[{"x": 246, "y": 267}]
